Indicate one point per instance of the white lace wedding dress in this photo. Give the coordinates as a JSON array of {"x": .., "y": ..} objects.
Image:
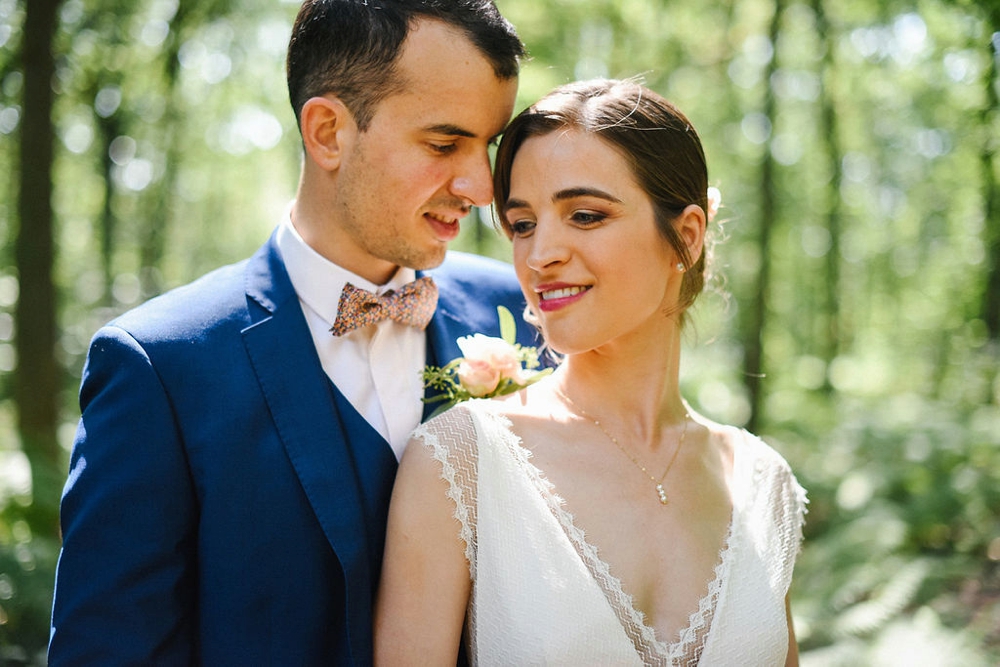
[{"x": 541, "y": 595}]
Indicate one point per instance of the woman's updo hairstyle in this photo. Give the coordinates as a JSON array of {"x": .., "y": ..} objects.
[{"x": 657, "y": 141}]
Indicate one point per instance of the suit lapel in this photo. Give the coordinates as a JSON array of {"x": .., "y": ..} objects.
[
  {"x": 310, "y": 428},
  {"x": 312, "y": 431},
  {"x": 444, "y": 330}
]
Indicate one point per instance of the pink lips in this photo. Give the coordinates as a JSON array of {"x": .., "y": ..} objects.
[
  {"x": 554, "y": 296},
  {"x": 445, "y": 231}
]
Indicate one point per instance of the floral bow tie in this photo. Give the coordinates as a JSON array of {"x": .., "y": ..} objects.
[{"x": 413, "y": 304}]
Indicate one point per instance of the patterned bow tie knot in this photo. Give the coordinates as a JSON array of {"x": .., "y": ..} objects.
[{"x": 413, "y": 304}]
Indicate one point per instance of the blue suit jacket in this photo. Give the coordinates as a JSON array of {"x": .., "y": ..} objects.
[{"x": 225, "y": 505}]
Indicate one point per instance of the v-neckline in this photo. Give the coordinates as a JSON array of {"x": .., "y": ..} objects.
[{"x": 649, "y": 647}]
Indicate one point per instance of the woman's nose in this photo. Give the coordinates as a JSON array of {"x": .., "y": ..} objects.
[{"x": 549, "y": 246}]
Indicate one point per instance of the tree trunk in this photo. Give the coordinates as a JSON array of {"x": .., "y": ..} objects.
[
  {"x": 991, "y": 193},
  {"x": 153, "y": 245},
  {"x": 829, "y": 135},
  {"x": 37, "y": 379},
  {"x": 753, "y": 362},
  {"x": 108, "y": 129}
]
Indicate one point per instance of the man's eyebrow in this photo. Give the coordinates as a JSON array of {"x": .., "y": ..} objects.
[{"x": 449, "y": 130}]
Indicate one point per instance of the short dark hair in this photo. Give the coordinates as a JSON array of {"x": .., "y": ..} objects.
[
  {"x": 350, "y": 47},
  {"x": 657, "y": 141}
]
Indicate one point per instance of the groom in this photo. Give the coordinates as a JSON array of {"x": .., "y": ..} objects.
[{"x": 228, "y": 486}]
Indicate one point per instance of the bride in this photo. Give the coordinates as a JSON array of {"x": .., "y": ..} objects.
[{"x": 593, "y": 518}]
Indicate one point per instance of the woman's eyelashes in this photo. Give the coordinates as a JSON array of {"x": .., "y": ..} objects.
[
  {"x": 588, "y": 218},
  {"x": 442, "y": 149},
  {"x": 584, "y": 218},
  {"x": 521, "y": 227}
]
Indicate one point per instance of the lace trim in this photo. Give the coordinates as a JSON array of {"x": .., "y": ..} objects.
[
  {"x": 454, "y": 438},
  {"x": 694, "y": 637},
  {"x": 650, "y": 649},
  {"x": 777, "y": 489},
  {"x": 464, "y": 514}
]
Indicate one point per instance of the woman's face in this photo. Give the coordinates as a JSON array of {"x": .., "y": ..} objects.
[{"x": 589, "y": 258}]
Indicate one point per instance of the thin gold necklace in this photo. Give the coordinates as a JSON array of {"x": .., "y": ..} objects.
[{"x": 660, "y": 491}]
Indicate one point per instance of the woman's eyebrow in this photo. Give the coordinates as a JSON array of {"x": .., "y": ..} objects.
[
  {"x": 563, "y": 195},
  {"x": 571, "y": 193},
  {"x": 514, "y": 203}
]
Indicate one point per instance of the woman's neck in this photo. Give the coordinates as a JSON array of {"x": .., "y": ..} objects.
[{"x": 636, "y": 386}]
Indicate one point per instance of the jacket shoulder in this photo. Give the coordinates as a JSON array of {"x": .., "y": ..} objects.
[{"x": 189, "y": 311}]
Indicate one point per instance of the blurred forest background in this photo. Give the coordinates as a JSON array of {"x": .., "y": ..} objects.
[{"x": 857, "y": 327}]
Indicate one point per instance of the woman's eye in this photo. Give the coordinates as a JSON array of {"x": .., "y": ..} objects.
[
  {"x": 521, "y": 227},
  {"x": 443, "y": 149},
  {"x": 588, "y": 217}
]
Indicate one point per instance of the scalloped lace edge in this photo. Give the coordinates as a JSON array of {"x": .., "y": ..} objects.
[{"x": 621, "y": 601}]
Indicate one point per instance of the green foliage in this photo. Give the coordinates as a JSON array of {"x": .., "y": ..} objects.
[
  {"x": 27, "y": 563},
  {"x": 178, "y": 153},
  {"x": 902, "y": 523}
]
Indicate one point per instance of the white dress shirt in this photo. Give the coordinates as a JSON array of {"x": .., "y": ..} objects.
[{"x": 377, "y": 368}]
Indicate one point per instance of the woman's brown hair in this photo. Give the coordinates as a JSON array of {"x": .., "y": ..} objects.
[{"x": 657, "y": 141}]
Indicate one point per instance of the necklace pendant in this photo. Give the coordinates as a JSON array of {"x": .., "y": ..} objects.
[{"x": 662, "y": 493}]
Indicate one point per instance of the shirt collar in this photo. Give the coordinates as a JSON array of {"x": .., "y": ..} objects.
[{"x": 318, "y": 281}]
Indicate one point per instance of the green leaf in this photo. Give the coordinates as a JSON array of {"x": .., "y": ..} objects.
[{"x": 508, "y": 328}]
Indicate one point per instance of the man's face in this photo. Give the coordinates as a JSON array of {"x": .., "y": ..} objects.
[{"x": 405, "y": 182}]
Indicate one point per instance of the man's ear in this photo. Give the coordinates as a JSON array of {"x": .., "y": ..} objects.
[
  {"x": 328, "y": 128},
  {"x": 690, "y": 225}
]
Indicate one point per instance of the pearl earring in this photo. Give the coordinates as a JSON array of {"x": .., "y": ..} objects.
[{"x": 680, "y": 266}]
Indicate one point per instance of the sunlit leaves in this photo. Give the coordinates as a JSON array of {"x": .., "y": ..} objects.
[{"x": 173, "y": 123}]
